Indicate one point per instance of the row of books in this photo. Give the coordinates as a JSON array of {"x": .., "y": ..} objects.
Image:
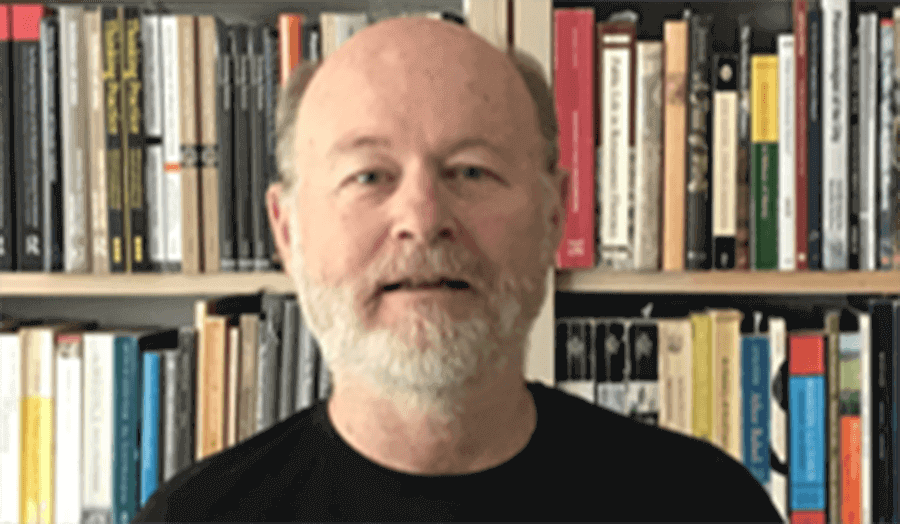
[
  {"x": 777, "y": 152},
  {"x": 135, "y": 141},
  {"x": 96, "y": 418},
  {"x": 811, "y": 413}
]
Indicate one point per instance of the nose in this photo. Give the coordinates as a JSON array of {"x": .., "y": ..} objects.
[{"x": 422, "y": 210}]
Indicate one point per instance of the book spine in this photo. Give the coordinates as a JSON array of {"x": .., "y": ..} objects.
[
  {"x": 643, "y": 380},
  {"x": 850, "y": 434},
  {"x": 185, "y": 407},
  {"x": 171, "y": 85},
  {"x": 868, "y": 117},
  {"x": 50, "y": 150},
  {"x": 7, "y": 202},
  {"x": 267, "y": 376},
  {"x": 648, "y": 154},
  {"x": 312, "y": 41},
  {"x": 37, "y": 425},
  {"x": 755, "y": 404},
  {"x": 743, "y": 239},
  {"x": 232, "y": 365},
  {"x": 697, "y": 226},
  {"x": 270, "y": 88},
  {"x": 612, "y": 388},
  {"x": 807, "y": 424},
  {"x": 73, "y": 126},
  {"x": 249, "y": 324},
  {"x": 892, "y": 370},
  {"x": 243, "y": 204},
  {"x": 306, "y": 373},
  {"x": 112, "y": 50},
  {"x": 676, "y": 40},
  {"x": 153, "y": 132},
  {"x": 895, "y": 204},
  {"x": 835, "y": 127},
  {"x": 67, "y": 424},
  {"x": 800, "y": 9},
  {"x": 832, "y": 416},
  {"x": 168, "y": 387},
  {"x": 854, "y": 150},
  {"x": 135, "y": 185},
  {"x": 615, "y": 106},
  {"x": 191, "y": 261},
  {"x": 27, "y": 136},
  {"x": 211, "y": 387},
  {"x": 290, "y": 43},
  {"x": 764, "y": 160},
  {"x": 882, "y": 335},
  {"x": 778, "y": 416},
  {"x": 126, "y": 425},
  {"x": 98, "y": 427},
  {"x": 10, "y": 422},
  {"x": 225, "y": 136},
  {"x": 787, "y": 208},
  {"x": 574, "y": 37},
  {"x": 258, "y": 175},
  {"x": 724, "y": 157},
  {"x": 815, "y": 138},
  {"x": 886, "y": 144},
  {"x": 100, "y": 256},
  {"x": 207, "y": 80},
  {"x": 865, "y": 416},
  {"x": 675, "y": 368},
  {"x": 726, "y": 372},
  {"x": 150, "y": 420},
  {"x": 702, "y": 413},
  {"x": 287, "y": 382}
]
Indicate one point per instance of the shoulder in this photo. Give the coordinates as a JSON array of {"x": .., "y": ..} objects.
[{"x": 236, "y": 484}]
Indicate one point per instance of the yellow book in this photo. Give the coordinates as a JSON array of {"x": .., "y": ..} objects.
[
  {"x": 726, "y": 382},
  {"x": 764, "y": 161},
  {"x": 701, "y": 331},
  {"x": 37, "y": 425}
]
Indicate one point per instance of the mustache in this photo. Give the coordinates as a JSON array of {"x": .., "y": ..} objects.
[{"x": 417, "y": 262}]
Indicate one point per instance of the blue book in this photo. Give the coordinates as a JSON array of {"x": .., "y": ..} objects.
[
  {"x": 755, "y": 404},
  {"x": 149, "y": 426},
  {"x": 126, "y": 424},
  {"x": 806, "y": 402}
]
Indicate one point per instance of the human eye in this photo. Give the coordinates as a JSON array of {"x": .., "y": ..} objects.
[
  {"x": 369, "y": 177},
  {"x": 473, "y": 173}
]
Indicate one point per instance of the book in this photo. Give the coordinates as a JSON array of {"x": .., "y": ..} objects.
[
  {"x": 725, "y": 342},
  {"x": 135, "y": 205},
  {"x": 574, "y": 98},
  {"x": 642, "y": 401},
  {"x": 675, "y": 367},
  {"x": 208, "y": 54},
  {"x": 259, "y": 177},
  {"x": 225, "y": 149},
  {"x": 7, "y": 213},
  {"x": 154, "y": 169},
  {"x": 648, "y": 130},
  {"x": 290, "y": 339},
  {"x": 26, "y": 124},
  {"x": 886, "y": 183},
  {"x": 854, "y": 149},
  {"x": 99, "y": 374},
  {"x": 487, "y": 19},
  {"x": 864, "y": 320},
  {"x": 764, "y": 160},
  {"x": 111, "y": 30},
  {"x": 150, "y": 424},
  {"x": 290, "y": 43},
  {"x": 337, "y": 28},
  {"x": 702, "y": 376},
  {"x": 868, "y": 137},
  {"x": 269, "y": 357},
  {"x": 743, "y": 239},
  {"x": 882, "y": 342},
  {"x": 755, "y": 376},
  {"x": 612, "y": 389},
  {"x": 850, "y": 430},
  {"x": 96, "y": 131},
  {"x": 675, "y": 70},
  {"x": 832, "y": 414},
  {"x": 270, "y": 100},
  {"x": 249, "y": 326},
  {"x": 815, "y": 139},
  {"x": 67, "y": 426},
  {"x": 232, "y": 370},
  {"x": 787, "y": 206},
  {"x": 698, "y": 234},
  {"x": 835, "y": 129},
  {"x": 532, "y": 31},
  {"x": 178, "y": 410},
  {"x": 807, "y": 424},
  {"x": 778, "y": 415},
  {"x": 895, "y": 142},
  {"x": 724, "y": 160},
  {"x": 10, "y": 418},
  {"x": 51, "y": 190},
  {"x": 171, "y": 140},
  {"x": 243, "y": 203},
  {"x": 191, "y": 232},
  {"x": 799, "y": 15}
]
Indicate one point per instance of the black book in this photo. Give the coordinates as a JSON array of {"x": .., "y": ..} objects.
[
  {"x": 135, "y": 201},
  {"x": 287, "y": 382},
  {"x": 243, "y": 202},
  {"x": 7, "y": 215},
  {"x": 643, "y": 377},
  {"x": 225, "y": 136},
  {"x": 177, "y": 404},
  {"x": 267, "y": 368},
  {"x": 50, "y": 132},
  {"x": 854, "y": 150},
  {"x": 892, "y": 381},
  {"x": 743, "y": 238},
  {"x": 814, "y": 142},
  {"x": 725, "y": 68},
  {"x": 270, "y": 86},
  {"x": 111, "y": 28},
  {"x": 884, "y": 338},
  {"x": 698, "y": 249},
  {"x": 26, "y": 105},
  {"x": 611, "y": 389},
  {"x": 258, "y": 154}
]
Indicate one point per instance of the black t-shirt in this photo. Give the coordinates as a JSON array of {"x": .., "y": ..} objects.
[{"x": 583, "y": 463}]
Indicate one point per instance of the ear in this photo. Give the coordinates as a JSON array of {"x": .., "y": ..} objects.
[{"x": 279, "y": 223}]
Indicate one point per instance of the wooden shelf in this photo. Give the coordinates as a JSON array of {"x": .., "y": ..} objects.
[
  {"x": 734, "y": 282},
  {"x": 147, "y": 284}
]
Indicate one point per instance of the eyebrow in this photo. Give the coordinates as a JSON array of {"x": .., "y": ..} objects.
[{"x": 360, "y": 141}]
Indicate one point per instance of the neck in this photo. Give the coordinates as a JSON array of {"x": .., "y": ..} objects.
[{"x": 490, "y": 423}]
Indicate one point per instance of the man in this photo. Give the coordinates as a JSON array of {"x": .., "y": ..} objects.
[{"x": 419, "y": 210}]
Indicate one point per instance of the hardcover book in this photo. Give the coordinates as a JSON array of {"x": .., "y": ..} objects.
[
  {"x": 112, "y": 21},
  {"x": 868, "y": 138},
  {"x": 787, "y": 208},
  {"x": 755, "y": 362},
  {"x": 697, "y": 226},
  {"x": 676, "y": 41},
  {"x": 7, "y": 213},
  {"x": 675, "y": 367},
  {"x": 52, "y": 194},
  {"x": 96, "y": 131},
  {"x": 133, "y": 128},
  {"x": 743, "y": 240},
  {"x": 642, "y": 401},
  {"x": 815, "y": 139},
  {"x": 800, "y": 10},
  {"x": 778, "y": 415},
  {"x": 807, "y": 426},
  {"x": 764, "y": 160},
  {"x": 835, "y": 131},
  {"x": 725, "y": 158},
  {"x": 885, "y": 144},
  {"x": 648, "y": 130},
  {"x": 154, "y": 169}
]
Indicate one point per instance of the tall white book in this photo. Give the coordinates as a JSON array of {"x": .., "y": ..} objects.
[
  {"x": 67, "y": 424},
  {"x": 787, "y": 195},
  {"x": 778, "y": 421},
  {"x": 153, "y": 135},
  {"x": 868, "y": 118},
  {"x": 835, "y": 129},
  {"x": 171, "y": 140},
  {"x": 10, "y": 425},
  {"x": 865, "y": 416},
  {"x": 97, "y": 444},
  {"x": 647, "y": 154},
  {"x": 488, "y": 18}
]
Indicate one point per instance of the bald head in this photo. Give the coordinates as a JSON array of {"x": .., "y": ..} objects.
[{"x": 405, "y": 63}]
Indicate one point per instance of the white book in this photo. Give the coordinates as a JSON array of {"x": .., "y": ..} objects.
[
  {"x": 171, "y": 122},
  {"x": 647, "y": 154},
  {"x": 835, "y": 129},
  {"x": 533, "y": 32},
  {"x": 97, "y": 442},
  {"x": 10, "y": 425},
  {"x": 787, "y": 195},
  {"x": 153, "y": 134},
  {"x": 778, "y": 416},
  {"x": 73, "y": 140},
  {"x": 868, "y": 117},
  {"x": 886, "y": 144},
  {"x": 865, "y": 416},
  {"x": 488, "y": 18},
  {"x": 337, "y": 28},
  {"x": 68, "y": 422}
]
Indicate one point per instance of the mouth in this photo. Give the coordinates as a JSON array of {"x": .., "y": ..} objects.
[{"x": 420, "y": 285}]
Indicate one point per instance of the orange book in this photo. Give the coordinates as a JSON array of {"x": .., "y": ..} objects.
[
  {"x": 290, "y": 43},
  {"x": 675, "y": 36},
  {"x": 851, "y": 485},
  {"x": 808, "y": 517}
]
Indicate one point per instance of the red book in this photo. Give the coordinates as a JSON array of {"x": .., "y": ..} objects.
[
  {"x": 851, "y": 486},
  {"x": 808, "y": 517},
  {"x": 574, "y": 69},
  {"x": 801, "y": 120},
  {"x": 290, "y": 43}
]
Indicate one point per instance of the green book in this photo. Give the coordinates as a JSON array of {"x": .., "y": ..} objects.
[{"x": 764, "y": 161}]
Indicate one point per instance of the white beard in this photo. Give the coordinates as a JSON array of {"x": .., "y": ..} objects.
[{"x": 426, "y": 361}]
